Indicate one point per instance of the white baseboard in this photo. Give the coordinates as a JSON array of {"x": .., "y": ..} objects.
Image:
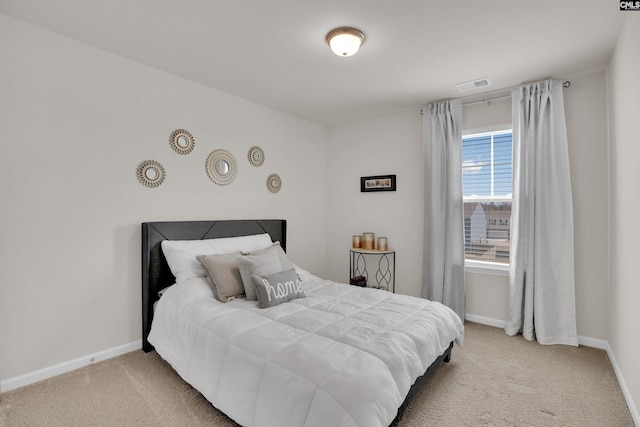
[
  {"x": 485, "y": 320},
  {"x": 61, "y": 368},
  {"x": 586, "y": 341},
  {"x": 593, "y": 342},
  {"x": 623, "y": 385}
]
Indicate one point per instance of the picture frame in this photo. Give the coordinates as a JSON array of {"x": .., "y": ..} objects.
[{"x": 377, "y": 183}]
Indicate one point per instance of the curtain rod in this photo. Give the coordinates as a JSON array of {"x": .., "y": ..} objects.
[{"x": 565, "y": 84}]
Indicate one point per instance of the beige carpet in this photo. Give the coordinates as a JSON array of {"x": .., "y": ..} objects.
[{"x": 494, "y": 380}]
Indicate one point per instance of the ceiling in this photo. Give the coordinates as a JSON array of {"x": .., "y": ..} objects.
[{"x": 273, "y": 52}]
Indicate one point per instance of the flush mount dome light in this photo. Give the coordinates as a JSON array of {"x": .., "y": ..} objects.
[{"x": 345, "y": 41}]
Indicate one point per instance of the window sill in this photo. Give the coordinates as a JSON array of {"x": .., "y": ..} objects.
[{"x": 481, "y": 267}]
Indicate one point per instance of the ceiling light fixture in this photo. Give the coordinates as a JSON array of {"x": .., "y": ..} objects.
[{"x": 345, "y": 41}]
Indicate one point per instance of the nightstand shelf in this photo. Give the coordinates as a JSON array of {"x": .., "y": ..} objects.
[{"x": 385, "y": 274}]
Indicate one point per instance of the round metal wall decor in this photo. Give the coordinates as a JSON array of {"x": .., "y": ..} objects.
[
  {"x": 150, "y": 173},
  {"x": 181, "y": 141},
  {"x": 256, "y": 156},
  {"x": 221, "y": 167},
  {"x": 274, "y": 183}
]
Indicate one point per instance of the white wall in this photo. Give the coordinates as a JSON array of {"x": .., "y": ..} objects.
[
  {"x": 586, "y": 115},
  {"x": 76, "y": 121},
  {"x": 385, "y": 145},
  {"x": 624, "y": 90},
  {"x": 393, "y": 144}
]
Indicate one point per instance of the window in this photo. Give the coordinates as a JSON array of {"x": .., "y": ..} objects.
[{"x": 487, "y": 186}]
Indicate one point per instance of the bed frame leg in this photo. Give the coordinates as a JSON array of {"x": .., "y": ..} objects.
[{"x": 447, "y": 354}]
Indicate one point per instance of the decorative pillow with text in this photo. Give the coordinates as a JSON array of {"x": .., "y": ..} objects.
[{"x": 276, "y": 288}]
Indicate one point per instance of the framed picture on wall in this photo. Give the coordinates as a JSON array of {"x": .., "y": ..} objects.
[{"x": 378, "y": 183}]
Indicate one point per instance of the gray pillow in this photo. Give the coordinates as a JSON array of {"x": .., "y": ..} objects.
[
  {"x": 264, "y": 261},
  {"x": 224, "y": 275},
  {"x": 276, "y": 288}
]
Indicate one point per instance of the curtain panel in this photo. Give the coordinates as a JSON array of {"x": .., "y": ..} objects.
[
  {"x": 443, "y": 264},
  {"x": 541, "y": 278}
]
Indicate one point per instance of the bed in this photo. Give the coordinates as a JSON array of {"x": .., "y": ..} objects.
[{"x": 334, "y": 355}]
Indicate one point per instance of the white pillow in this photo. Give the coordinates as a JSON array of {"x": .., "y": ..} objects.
[{"x": 181, "y": 254}]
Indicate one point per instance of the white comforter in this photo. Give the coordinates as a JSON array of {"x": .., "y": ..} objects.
[{"x": 342, "y": 356}]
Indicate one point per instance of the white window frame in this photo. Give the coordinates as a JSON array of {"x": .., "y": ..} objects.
[{"x": 487, "y": 267}]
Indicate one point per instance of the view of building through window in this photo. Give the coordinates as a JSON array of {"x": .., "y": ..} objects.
[{"x": 487, "y": 182}]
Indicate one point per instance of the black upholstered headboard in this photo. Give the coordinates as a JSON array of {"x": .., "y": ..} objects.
[{"x": 156, "y": 274}]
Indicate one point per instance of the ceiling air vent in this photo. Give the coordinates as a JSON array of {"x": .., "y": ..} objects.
[{"x": 475, "y": 84}]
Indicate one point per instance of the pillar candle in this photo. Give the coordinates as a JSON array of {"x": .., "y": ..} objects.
[
  {"x": 368, "y": 241},
  {"x": 382, "y": 243}
]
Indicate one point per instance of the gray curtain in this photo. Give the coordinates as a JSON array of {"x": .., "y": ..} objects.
[
  {"x": 443, "y": 266},
  {"x": 541, "y": 277}
]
